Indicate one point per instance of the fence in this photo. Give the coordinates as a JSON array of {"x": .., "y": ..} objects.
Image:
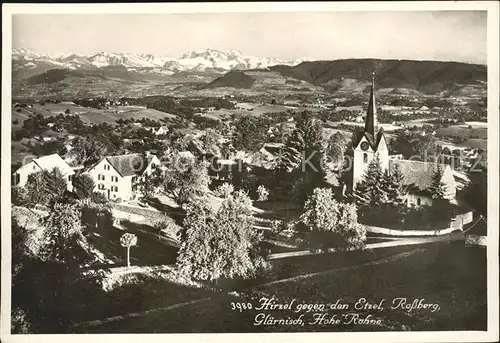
[
  {"x": 393, "y": 232},
  {"x": 456, "y": 224}
]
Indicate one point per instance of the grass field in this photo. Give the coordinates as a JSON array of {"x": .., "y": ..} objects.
[
  {"x": 447, "y": 274},
  {"x": 461, "y": 131},
  {"x": 91, "y": 115}
]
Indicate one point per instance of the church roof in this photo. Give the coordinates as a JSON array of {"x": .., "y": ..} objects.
[
  {"x": 417, "y": 174},
  {"x": 371, "y": 123}
]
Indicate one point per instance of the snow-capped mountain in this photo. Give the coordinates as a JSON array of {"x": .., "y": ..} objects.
[{"x": 198, "y": 60}]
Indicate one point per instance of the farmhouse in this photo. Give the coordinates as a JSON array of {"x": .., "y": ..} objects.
[
  {"x": 417, "y": 174},
  {"x": 47, "y": 163},
  {"x": 158, "y": 131},
  {"x": 115, "y": 176}
]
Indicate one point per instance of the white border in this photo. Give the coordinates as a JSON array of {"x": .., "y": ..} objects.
[{"x": 493, "y": 160}]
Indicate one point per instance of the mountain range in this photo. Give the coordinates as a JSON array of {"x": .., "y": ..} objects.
[
  {"x": 39, "y": 74},
  {"x": 26, "y": 63}
]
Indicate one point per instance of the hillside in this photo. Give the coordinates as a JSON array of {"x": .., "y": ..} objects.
[
  {"x": 425, "y": 76},
  {"x": 233, "y": 79},
  {"x": 349, "y": 76}
]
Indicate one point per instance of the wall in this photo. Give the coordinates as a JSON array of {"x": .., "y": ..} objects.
[
  {"x": 412, "y": 199},
  {"x": 25, "y": 171},
  {"x": 359, "y": 166},
  {"x": 124, "y": 184},
  {"x": 393, "y": 232}
]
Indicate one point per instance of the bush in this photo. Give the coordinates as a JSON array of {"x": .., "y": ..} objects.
[
  {"x": 99, "y": 198},
  {"x": 96, "y": 215},
  {"x": 262, "y": 193},
  {"x": 224, "y": 191},
  {"x": 167, "y": 227},
  {"x": 20, "y": 323},
  {"x": 18, "y": 196}
]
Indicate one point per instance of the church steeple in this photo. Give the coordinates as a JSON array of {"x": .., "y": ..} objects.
[{"x": 371, "y": 123}]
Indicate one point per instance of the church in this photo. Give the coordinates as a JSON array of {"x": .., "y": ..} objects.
[{"x": 417, "y": 174}]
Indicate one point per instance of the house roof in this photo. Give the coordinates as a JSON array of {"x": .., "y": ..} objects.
[
  {"x": 416, "y": 174},
  {"x": 130, "y": 164},
  {"x": 186, "y": 154},
  {"x": 50, "y": 162}
]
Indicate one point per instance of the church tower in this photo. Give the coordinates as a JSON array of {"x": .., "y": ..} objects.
[{"x": 371, "y": 143}]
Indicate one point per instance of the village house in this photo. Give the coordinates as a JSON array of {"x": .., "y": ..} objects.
[
  {"x": 47, "y": 163},
  {"x": 158, "y": 131},
  {"x": 116, "y": 176},
  {"x": 417, "y": 174}
]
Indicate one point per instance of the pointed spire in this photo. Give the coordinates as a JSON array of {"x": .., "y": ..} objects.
[{"x": 371, "y": 123}]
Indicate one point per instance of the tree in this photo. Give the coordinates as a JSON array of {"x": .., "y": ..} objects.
[
  {"x": 128, "y": 240},
  {"x": 63, "y": 240},
  {"x": 67, "y": 111},
  {"x": 335, "y": 149},
  {"x": 19, "y": 196},
  {"x": 476, "y": 192},
  {"x": 185, "y": 179},
  {"x": 147, "y": 184},
  {"x": 221, "y": 244},
  {"x": 292, "y": 155},
  {"x": 250, "y": 133},
  {"x": 393, "y": 183},
  {"x": 414, "y": 144},
  {"x": 83, "y": 186},
  {"x": 303, "y": 156},
  {"x": 370, "y": 192},
  {"x": 45, "y": 187},
  {"x": 331, "y": 224},
  {"x": 211, "y": 142},
  {"x": 437, "y": 187},
  {"x": 87, "y": 151},
  {"x": 57, "y": 146}
]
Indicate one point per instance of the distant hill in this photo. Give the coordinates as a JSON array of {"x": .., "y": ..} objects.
[
  {"x": 53, "y": 76},
  {"x": 425, "y": 76},
  {"x": 233, "y": 79}
]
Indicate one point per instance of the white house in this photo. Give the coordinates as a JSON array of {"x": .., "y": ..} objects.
[
  {"x": 158, "y": 131},
  {"x": 115, "y": 176},
  {"x": 417, "y": 175},
  {"x": 48, "y": 163}
]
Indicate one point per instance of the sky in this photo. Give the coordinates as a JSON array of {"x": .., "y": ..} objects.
[{"x": 440, "y": 35}]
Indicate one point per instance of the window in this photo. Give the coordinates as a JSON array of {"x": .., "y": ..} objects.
[
  {"x": 100, "y": 186},
  {"x": 106, "y": 167},
  {"x": 114, "y": 178},
  {"x": 419, "y": 201},
  {"x": 365, "y": 158},
  {"x": 114, "y": 189}
]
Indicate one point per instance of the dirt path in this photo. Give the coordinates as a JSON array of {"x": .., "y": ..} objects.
[
  {"x": 378, "y": 245},
  {"x": 236, "y": 293}
]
